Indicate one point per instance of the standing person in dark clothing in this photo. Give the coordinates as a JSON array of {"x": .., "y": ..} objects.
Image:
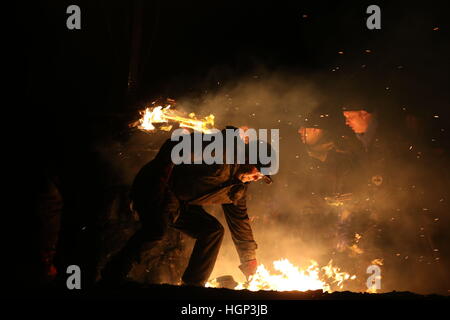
[
  {"x": 167, "y": 195},
  {"x": 380, "y": 157},
  {"x": 376, "y": 149},
  {"x": 327, "y": 169},
  {"x": 374, "y": 158},
  {"x": 395, "y": 178},
  {"x": 327, "y": 158},
  {"x": 383, "y": 178}
]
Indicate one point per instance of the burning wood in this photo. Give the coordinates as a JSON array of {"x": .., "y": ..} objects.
[
  {"x": 166, "y": 115},
  {"x": 292, "y": 278}
]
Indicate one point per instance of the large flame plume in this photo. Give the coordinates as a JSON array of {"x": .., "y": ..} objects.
[
  {"x": 289, "y": 277},
  {"x": 166, "y": 115}
]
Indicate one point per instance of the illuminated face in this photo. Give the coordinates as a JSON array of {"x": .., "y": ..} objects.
[
  {"x": 253, "y": 175},
  {"x": 310, "y": 136},
  {"x": 357, "y": 120}
]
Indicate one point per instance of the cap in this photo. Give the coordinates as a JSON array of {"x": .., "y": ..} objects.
[
  {"x": 358, "y": 107},
  {"x": 317, "y": 120}
]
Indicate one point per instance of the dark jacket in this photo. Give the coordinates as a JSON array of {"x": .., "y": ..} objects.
[{"x": 161, "y": 190}]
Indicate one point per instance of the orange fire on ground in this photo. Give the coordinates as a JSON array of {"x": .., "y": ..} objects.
[
  {"x": 289, "y": 277},
  {"x": 166, "y": 115}
]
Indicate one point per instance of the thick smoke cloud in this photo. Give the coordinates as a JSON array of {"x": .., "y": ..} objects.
[{"x": 284, "y": 217}]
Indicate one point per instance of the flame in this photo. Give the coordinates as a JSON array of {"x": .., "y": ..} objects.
[
  {"x": 160, "y": 114},
  {"x": 372, "y": 290},
  {"x": 291, "y": 278},
  {"x": 378, "y": 261}
]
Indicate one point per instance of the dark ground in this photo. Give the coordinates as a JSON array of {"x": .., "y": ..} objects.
[{"x": 163, "y": 292}]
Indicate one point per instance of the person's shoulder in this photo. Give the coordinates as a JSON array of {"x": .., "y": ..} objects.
[{"x": 347, "y": 143}]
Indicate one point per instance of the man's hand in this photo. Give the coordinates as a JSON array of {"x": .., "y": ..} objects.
[{"x": 248, "y": 268}]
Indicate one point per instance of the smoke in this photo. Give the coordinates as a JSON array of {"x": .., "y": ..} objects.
[
  {"x": 288, "y": 219},
  {"x": 290, "y": 222},
  {"x": 260, "y": 101},
  {"x": 264, "y": 100}
]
